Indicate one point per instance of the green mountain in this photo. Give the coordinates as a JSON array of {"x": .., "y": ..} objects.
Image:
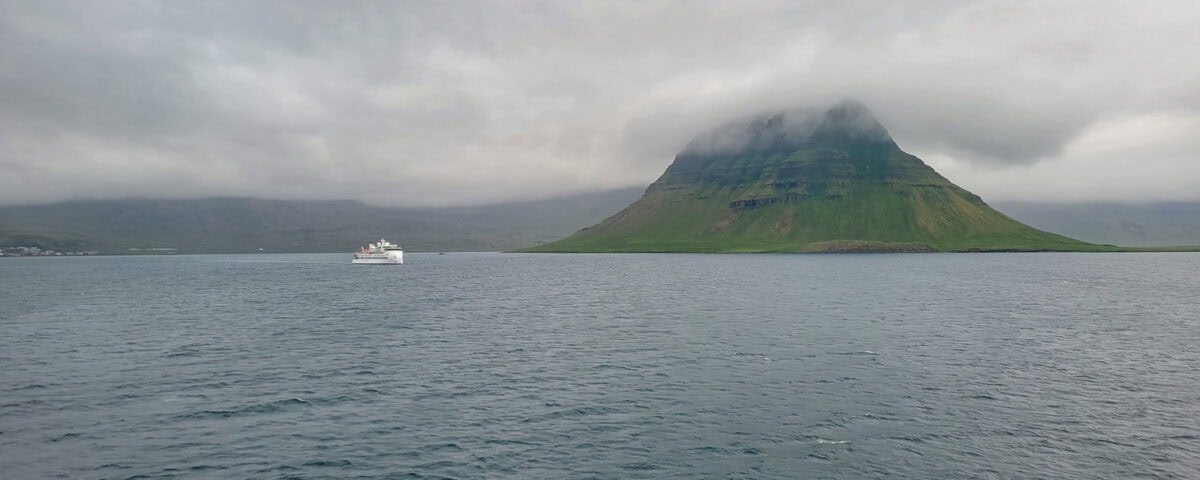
[
  {"x": 830, "y": 180},
  {"x": 232, "y": 225}
]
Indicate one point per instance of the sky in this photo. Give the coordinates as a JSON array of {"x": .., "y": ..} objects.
[{"x": 461, "y": 103}]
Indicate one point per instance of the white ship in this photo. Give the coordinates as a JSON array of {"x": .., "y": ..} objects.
[{"x": 382, "y": 253}]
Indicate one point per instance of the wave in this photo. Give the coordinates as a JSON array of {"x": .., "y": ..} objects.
[{"x": 255, "y": 409}]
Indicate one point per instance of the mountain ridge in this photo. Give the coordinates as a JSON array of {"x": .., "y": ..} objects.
[
  {"x": 242, "y": 224},
  {"x": 1155, "y": 224}
]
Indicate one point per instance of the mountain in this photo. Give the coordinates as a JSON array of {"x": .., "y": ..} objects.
[
  {"x": 1135, "y": 225},
  {"x": 805, "y": 180},
  {"x": 230, "y": 225}
]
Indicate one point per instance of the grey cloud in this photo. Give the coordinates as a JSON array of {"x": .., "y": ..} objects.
[
  {"x": 63, "y": 73},
  {"x": 468, "y": 102},
  {"x": 986, "y": 128}
]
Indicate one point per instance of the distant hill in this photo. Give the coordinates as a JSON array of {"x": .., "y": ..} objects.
[
  {"x": 1154, "y": 224},
  {"x": 830, "y": 180},
  {"x": 246, "y": 224}
]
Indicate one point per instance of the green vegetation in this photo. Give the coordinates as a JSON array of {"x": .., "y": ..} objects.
[{"x": 844, "y": 186}]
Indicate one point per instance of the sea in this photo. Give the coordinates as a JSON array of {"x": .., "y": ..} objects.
[{"x": 581, "y": 366}]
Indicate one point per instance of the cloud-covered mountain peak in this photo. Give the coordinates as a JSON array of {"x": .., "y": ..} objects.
[
  {"x": 791, "y": 129},
  {"x": 851, "y": 119}
]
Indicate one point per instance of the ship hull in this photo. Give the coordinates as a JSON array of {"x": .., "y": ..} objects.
[
  {"x": 380, "y": 260},
  {"x": 375, "y": 262}
]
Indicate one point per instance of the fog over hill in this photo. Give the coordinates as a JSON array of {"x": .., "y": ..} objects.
[
  {"x": 1133, "y": 225},
  {"x": 247, "y": 224}
]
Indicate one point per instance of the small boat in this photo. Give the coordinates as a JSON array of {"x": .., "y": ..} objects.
[{"x": 382, "y": 253}]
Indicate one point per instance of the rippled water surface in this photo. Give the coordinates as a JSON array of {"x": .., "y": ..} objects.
[{"x": 601, "y": 366}]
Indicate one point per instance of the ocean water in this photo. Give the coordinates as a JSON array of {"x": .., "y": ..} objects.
[{"x": 601, "y": 366}]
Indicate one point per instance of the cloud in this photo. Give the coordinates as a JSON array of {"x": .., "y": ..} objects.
[
  {"x": 1108, "y": 160},
  {"x": 463, "y": 103}
]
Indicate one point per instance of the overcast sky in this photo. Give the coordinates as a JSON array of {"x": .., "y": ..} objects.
[{"x": 453, "y": 103}]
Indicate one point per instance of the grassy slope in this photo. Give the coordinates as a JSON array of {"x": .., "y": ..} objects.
[
  {"x": 865, "y": 198},
  {"x": 678, "y": 221}
]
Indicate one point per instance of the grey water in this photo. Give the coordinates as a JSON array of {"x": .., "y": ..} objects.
[{"x": 601, "y": 366}]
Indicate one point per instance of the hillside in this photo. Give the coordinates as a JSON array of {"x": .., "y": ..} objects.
[
  {"x": 829, "y": 180},
  {"x": 245, "y": 224},
  {"x": 1134, "y": 225}
]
